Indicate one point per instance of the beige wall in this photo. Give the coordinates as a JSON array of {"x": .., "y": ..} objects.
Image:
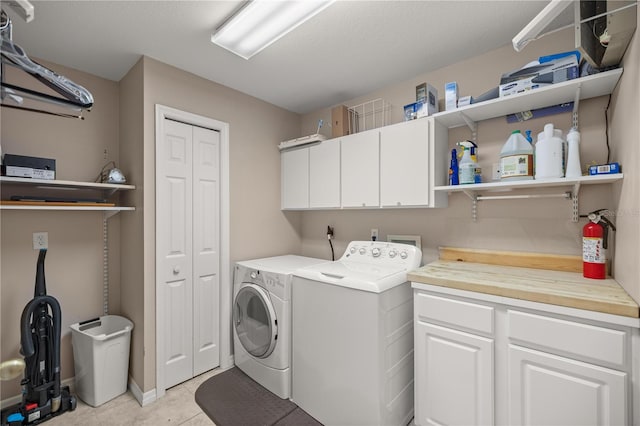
[
  {"x": 131, "y": 110},
  {"x": 258, "y": 228},
  {"x": 624, "y": 133},
  {"x": 524, "y": 225},
  {"x": 74, "y": 259}
]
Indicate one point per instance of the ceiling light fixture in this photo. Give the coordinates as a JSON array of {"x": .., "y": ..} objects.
[{"x": 262, "y": 22}]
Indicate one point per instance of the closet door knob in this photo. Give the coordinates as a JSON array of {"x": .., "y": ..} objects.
[{"x": 176, "y": 270}]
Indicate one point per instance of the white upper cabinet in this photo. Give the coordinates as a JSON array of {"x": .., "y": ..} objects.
[
  {"x": 295, "y": 178},
  {"x": 410, "y": 162},
  {"x": 360, "y": 169},
  {"x": 324, "y": 175}
]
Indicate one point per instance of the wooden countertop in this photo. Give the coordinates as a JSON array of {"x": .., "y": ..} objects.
[{"x": 569, "y": 289}]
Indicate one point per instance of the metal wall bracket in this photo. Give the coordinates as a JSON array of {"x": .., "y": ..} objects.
[
  {"x": 474, "y": 204},
  {"x": 576, "y": 104}
]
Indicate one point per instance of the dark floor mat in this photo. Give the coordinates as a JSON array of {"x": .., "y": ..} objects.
[
  {"x": 298, "y": 417},
  {"x": 232, "y": 398}
]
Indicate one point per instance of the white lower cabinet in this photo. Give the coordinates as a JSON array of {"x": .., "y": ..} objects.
[
  {"x": 546, "y": 389},
  {"x": 456, "y": 377},
  {"x": 484, "y": 363}
]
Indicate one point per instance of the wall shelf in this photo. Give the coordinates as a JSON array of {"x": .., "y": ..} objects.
[
  {"x": 587, "y": 87},
  {"x": 475, "y": 191},
  {"x": 107, "y": 189}
]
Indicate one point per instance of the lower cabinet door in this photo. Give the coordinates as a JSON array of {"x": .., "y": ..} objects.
[
  {"x": 546, "y": 389},
  {"x": 454, "y": 377}
]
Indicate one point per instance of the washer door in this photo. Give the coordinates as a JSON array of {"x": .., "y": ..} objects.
[{"x": 255, "y": 321}]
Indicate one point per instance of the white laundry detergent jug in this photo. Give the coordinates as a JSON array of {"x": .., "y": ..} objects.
[
  {"x": 549, "y": 156},
  {"x": 516, "y": 158}
]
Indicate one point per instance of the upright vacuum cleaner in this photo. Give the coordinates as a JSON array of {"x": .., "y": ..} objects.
[{"x": 42, "y": 395}]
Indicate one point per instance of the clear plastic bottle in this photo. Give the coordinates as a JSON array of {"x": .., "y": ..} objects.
[
  {"x": 467, "y": 168},
  {"x": 516, "y": 158}
]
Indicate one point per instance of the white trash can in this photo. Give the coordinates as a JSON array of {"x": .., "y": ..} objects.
[{"x": 101, "y": 358}]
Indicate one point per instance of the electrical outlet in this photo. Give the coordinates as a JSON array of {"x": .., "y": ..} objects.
[
  {"x": 40, "y": 240},
  {"x": 495, "y": 175},
  {"x": 374, "y": 234},
  {"x": 329, "y": 232}
]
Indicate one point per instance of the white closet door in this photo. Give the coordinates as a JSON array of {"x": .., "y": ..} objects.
[
  {"x": 206, "y": 249},
  {"x": 174, "y": 244}
]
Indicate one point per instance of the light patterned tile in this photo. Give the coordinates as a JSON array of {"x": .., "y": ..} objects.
[
  {"x": 199, "y": 420},
  {"x": 177, "y": 406},
  {"x": 194, "y": 383}
]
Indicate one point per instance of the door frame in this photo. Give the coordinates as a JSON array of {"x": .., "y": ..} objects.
[{"x": 226, "y": 358}]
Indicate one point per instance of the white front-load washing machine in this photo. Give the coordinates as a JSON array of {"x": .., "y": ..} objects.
[{"x": 262, "y": 319}]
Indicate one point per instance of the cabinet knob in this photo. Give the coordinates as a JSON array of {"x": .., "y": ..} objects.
[{"x": 176, "y": 270}]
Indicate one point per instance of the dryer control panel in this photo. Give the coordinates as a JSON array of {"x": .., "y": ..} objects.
[{"x": 383, "y": 253}]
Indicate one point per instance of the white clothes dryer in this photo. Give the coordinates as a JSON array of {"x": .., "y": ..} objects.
[
  {"x": 352, "y": 360},
  {"x": 262, "y": 319}
]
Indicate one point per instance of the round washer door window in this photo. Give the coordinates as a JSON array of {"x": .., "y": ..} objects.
[{"x": 255, "y": 321}]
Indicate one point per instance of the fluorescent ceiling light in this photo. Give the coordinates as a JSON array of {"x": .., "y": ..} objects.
[
  {"x": 539, "y": 23},
  {"x": 262, "y": 22}
]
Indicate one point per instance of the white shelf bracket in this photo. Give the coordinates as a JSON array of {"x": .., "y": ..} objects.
[
  {"x": 107, "y": 214},
  {"x": 473, "y": 126},
  {"x": 576, "y": 105}
]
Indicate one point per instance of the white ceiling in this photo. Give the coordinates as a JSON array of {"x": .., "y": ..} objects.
[{"x": 350, "y": 49}]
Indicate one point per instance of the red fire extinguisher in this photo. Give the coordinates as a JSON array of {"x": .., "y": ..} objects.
[{"x": 594, "y": 244}]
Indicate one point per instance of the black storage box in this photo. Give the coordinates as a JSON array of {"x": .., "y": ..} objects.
[{"x": 28, "y": 167}]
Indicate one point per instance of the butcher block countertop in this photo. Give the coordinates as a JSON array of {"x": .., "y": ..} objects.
[{"x": 484, "y": 271}]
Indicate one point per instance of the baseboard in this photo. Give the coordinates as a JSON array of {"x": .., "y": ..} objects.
[
  {"x": 228, "y": 364},
  {"x": 71, "y": 382},
  {"x": 143, "y": 398}
]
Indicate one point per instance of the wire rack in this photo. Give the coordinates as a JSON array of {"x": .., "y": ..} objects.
[{"x": 369, "y": 115}]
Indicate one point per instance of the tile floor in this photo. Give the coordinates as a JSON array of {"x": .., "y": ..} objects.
[{"x": 177, "y": 407}]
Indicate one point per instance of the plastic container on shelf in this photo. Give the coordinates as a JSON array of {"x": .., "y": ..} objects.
[
  {"x": 550, "y": 153},
  {"x": 573, "y": 158},
  {"x": 467, "y": 168},
  {"x": 101, "y": 358},
  {"x": 453, "y": 168},
  {"x": 516, "y": 158}
]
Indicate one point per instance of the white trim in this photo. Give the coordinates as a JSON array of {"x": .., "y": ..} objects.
[
  {"x": 143, "y": 398},
  {"x": 163, "y": 112}
]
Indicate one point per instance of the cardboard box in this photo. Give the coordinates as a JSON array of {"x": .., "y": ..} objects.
[
  {"x": 605, "y": 169},
  {"x": 411, "y": 111},
  {"x": 539, "y": 75},
  {"x": 451, "y": 96},
  {"x": 339, "y": 121},
  {"x": 464, "y": 101},
  {"x": 426, "y": 100}
]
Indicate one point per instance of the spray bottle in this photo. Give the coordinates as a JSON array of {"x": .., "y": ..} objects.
[{"x": 473, "y": 148}]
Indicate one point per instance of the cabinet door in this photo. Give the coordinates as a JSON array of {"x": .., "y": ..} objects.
[
  {"x": 404, "y": 164},
  {"x": 295, "y": 178},
  {"x": 324, "y": 174},
  {"x": 546, "y": 389},
  {"x": 360, "y": 169},
  {"x": 454, "y": 377}
]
